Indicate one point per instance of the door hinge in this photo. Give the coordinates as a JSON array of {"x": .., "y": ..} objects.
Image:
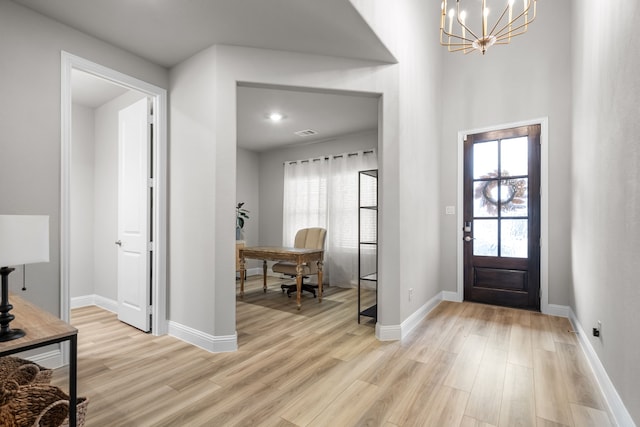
[
  {"x": 150, "y": 182},
  {"x": 149, "y": 310},
  {"x": 150, "y": 246}
]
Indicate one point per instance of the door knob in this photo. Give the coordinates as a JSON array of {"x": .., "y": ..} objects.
[
  {"x": 469, "y": 238},
  {"x": 118, "y": 242}
]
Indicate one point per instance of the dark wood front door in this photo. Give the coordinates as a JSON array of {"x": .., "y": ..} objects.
[{"x": 502, "y": 217}]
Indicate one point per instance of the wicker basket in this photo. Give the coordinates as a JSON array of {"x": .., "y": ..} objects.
[
  {"x": 22, "y": 371},
  {"x": 38, "y": 405},
  {"x": 81, "y": 412},
  {"x": 33, "y": 405}
]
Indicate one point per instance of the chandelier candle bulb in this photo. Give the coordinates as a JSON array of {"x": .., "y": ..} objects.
[{"x": 485, "y": 14}]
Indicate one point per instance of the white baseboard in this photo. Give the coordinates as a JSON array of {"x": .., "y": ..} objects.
[
  {"x": 100, "y": 301},
  {"x": 557, "y": 310},
  {"x": 388, "y": 332},
  {"x": 397, "y": 332},
  {"x": 451, "y": 296},
  {"x": 613, "y": 400},
  {"x": 50, "y": 359},
  {"x": 214, "y": 344}
]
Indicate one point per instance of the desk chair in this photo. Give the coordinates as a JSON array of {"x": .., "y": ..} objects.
[{"x": 307, "y": 238}]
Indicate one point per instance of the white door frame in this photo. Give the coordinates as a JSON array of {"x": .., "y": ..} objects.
[
  {"x": 159, "y": 257},
  {"x": 545, "y": 307}
]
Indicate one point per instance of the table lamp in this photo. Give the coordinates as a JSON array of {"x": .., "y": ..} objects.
[{"x": 24, "y": 239}]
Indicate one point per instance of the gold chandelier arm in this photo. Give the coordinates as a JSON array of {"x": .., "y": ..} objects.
[
  {"x": 464, "y": 39},
  {"x": 500, "y": 33},
  {"x": 500, "y": 19},
  {"x": 513, "y": 33}
]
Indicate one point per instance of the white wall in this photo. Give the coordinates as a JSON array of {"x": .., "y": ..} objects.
[
  {"x": 105, "y": 194},
  {"x": 401, "y": 27},
  {"x": 605, "y": 219},
  {"x": 30, "y": 120},
  {"x": 525, "y": 80},
  {"x": 248, "y": 191},
  {"x": 203, "y": 157},
  {"x": 211, "y": 156},
  {"x": 271, "y": 179},
  {"x": 203, "y": 162},
  {"x": 82, "y": 156},
  {"x": 193, "y": 197}
]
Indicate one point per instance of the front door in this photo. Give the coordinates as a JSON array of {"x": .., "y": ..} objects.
[
  {"x": 133, "y": 216},
  {"x": 502, "y": 217}
]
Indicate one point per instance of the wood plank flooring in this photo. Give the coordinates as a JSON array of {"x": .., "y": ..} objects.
[{"x": 464, "y": 365}]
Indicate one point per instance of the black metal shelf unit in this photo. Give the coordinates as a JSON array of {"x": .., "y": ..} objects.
[{"x": 367, "y": 242}]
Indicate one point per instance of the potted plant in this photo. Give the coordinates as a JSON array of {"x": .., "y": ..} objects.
[{"x": 241, "y": 216}]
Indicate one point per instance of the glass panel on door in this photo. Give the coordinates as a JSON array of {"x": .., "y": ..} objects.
[{"x": 500, "y": 191}]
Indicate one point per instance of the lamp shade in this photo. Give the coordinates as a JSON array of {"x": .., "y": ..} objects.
[{"x": 24, "y": 239}]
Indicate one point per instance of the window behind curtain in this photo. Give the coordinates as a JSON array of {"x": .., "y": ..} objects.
[{"x": 323, "y": 192}]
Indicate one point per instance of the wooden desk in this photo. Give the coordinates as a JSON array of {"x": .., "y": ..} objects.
[
  {"x": 270, "y": 253},
  {"x": 41, "y": 329}
]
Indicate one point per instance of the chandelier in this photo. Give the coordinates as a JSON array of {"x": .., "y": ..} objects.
[{"x": 458, "y": 36}]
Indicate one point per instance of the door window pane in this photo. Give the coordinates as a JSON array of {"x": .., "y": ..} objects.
[
  {"x": 514, "y": 156},
  {"x": 486, "y": 237},
  {"x": 514, "y": 238},
  {"x": 514, "y": 194},
  {"x": 485, "y": 159},
  {"x": 485, "y": 199}
]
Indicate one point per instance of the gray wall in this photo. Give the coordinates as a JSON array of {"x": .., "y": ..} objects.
[
  {"x": 605, "y": 219},
  {"x": 30, "y": 122},
  {"x": 248, "y": 191},
  {"x": 271, "y": 180},
  {"x": 525, "y": 80},
  {"x": 82, "y": 209},
  {"x": 203, "y": 157}
]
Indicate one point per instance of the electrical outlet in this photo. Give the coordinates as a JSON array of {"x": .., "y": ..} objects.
[
  {"x": 410, "y": 293},
  {"x": 598, "y": 329}
]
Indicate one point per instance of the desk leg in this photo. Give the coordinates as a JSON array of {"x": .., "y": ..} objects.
[
  {"x": 319, "y": 281},
  {"x": 243, "y": 272},
  {"x": 298, "y": 283},
  {"x": 73, "y": 380},
  {"x": 264, "y": 276}
]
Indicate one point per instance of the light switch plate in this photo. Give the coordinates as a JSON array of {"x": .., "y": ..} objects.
[{"x": 450, "y": 210}]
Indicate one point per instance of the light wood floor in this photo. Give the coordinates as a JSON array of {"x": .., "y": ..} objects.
[{"x": 464, "y": 365}]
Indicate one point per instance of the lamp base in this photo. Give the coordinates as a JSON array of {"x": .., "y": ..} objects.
[
  {"x": 6, "y": 333},
  {"x": 11, "y": 334}
]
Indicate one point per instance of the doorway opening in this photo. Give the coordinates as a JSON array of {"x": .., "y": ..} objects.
[
  {"x": 314, "y": 125},
  {"x": 130, "y": 90}
]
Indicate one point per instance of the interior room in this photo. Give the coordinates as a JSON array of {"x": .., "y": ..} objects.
[{"x": 543, "y": 336}]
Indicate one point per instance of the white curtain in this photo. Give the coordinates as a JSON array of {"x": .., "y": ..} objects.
[{"x": 323, "y": 192}]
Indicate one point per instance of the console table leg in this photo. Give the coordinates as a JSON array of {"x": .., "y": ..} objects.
[{"x": 73, "y": 380}]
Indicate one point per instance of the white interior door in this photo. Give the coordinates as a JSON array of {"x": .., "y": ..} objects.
[{"x": 133, "y": 216}]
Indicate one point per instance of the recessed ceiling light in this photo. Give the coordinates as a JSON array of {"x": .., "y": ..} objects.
[{"x": 275, "y": 116}]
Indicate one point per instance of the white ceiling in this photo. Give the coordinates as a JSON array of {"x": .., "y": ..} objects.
[
  {"x": 329, "y": 114},
  {"x": 167, "y": 32}
]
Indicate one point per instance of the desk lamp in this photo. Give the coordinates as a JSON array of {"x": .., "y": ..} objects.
[{"x": 24, "y": 239}]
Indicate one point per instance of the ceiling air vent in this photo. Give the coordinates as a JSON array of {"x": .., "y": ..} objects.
[{"x": 306, "y": 132}]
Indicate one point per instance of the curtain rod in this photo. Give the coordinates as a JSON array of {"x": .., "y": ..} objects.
[{"x": 337, "y": 156}]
